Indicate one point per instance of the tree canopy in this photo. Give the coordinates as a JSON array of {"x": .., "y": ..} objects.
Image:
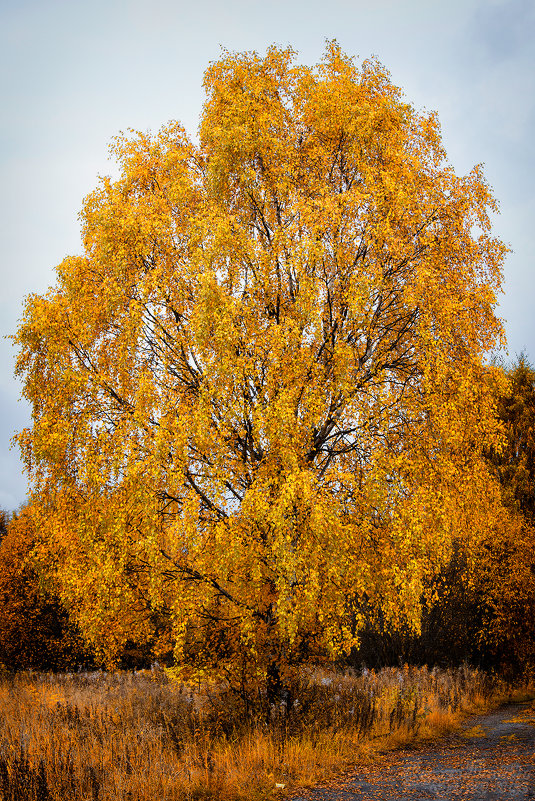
[{"x": 259, "y": 399}]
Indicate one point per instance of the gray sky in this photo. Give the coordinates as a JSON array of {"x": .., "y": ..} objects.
[{"x": 76, "y": 72}]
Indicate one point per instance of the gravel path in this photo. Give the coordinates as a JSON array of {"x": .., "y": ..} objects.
[{"x": 492, "y": 759}]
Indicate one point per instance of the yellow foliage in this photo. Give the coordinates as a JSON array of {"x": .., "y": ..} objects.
[{"x": 258, "y": 397}]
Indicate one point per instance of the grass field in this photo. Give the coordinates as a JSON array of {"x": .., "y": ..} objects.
[{"x": 97, "y": 736}]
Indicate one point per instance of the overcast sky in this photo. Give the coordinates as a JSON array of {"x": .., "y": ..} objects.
[{"x": 76, "y": 72}]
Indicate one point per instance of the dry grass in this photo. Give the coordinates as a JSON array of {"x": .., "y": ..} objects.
[{"x": 139, "y": 736}]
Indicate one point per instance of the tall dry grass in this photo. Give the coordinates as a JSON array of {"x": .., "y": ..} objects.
[{"x": 97, "y": 736}]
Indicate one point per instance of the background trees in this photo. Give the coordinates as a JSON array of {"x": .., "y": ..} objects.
[
  {"x": 515, "y": 463},
  {"x": 505, "y": 574},
  {"x": 258, "y": 398},
  {"x": 35, "y": 629},
  {"x": 481, "y": 605}
]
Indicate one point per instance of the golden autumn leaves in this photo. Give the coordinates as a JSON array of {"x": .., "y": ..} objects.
[{"x": 259, "y": 401}]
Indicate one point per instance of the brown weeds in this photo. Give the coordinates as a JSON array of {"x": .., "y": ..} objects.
[{"x": 97, "y": 736}]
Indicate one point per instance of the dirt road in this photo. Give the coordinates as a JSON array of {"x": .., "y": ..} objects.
[{"x": 492, "y": 759}]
